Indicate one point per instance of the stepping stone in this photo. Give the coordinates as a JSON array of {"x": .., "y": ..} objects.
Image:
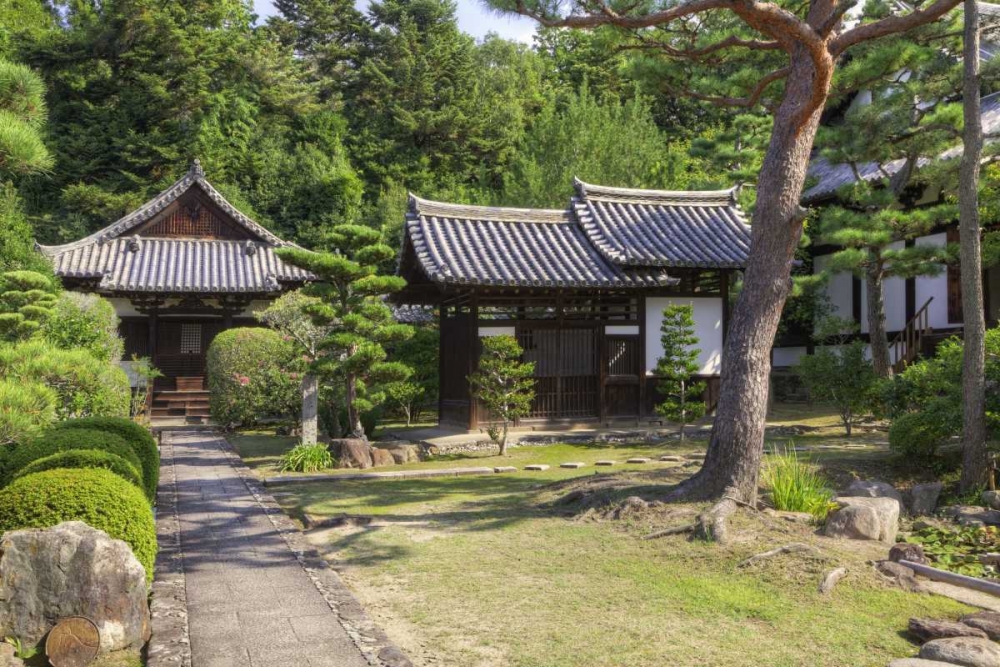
[
  {"x": 537, "y": 466},
  {"x": 572, "y": 464},
  {"x": 670, "y": 457},
  {"x": 604, "y": 463},
  {"x": 638, "y": 459},
  {"x": 694, "y": 456},
  {"x": 505, "y": 469}
]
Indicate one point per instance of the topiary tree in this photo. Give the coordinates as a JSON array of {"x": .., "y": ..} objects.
[
  {"x": 682, "y": 402},
  {"x": 85, "y": 385},
  {"x": 288, "y": 315},
  {"x": 358, "y": 321},
  {"x": 99, "y": 498},
  {"x": 138, "y": 437},
  {"x": 503, "y": 382},
  {"x": 84, "y": 458},
  {"x": 85, "y": 321},
  {"x": 55, "y": 441},
  {"x": 253, "y": 373},
  {"x": 840, "y": 373},
  {"x": 26, "y": 408},
  {"x": 27, "y": 300}
]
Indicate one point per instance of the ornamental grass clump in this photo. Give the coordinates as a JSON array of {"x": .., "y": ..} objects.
[
  {"x": 307, "y": 458},
  {"x": 794, "y": 486}
]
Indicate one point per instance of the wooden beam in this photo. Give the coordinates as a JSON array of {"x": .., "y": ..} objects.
[{"x": 641, "y": 411}]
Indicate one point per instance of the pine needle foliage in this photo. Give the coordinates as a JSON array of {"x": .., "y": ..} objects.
[
  {"x": 504, "y": 383},
  {"x": 682, "y": 397}
]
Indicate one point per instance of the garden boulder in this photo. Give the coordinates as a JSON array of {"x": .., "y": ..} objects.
[
  {"x": 862, "y": 488},
  {"x": 405, "y": 453},
  {"x": 991, "y": 499},
  {"x": 906, "y": 551},
  {"x": 927, "y": 629},
  {"x": 924, "y": 497},
  {"x": 864, "y": 518},
  {"x": 72, "y": 570},
  {"x": 351, "y": 453},
  {"x": 987, "y": 621},
  {"x": 382, "y": 457},
  {"x": 964, "y": 651}
]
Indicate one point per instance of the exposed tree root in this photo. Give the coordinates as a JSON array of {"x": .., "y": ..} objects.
[
  {"x": 830, "y": 579},
  {"x": 796, "y": 547},
  {"x": 676, "y": 530}
]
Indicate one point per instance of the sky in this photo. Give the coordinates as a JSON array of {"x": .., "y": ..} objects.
[{"x": 473, "y": 18}]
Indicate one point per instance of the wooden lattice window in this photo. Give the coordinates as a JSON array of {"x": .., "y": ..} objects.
[
  {"x": 190, "y": 339},
  {"x": 197, "y": 222}
]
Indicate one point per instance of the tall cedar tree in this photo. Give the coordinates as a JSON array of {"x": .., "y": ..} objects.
[
  {"x": 352, "y": 307},
  {"x": 800, "y": 44},
  {"x": 504, "y": 383},
  {"x": 682, "y": 396}
]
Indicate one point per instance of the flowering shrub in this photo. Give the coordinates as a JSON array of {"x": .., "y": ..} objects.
[{"x": 253, "y": 374}]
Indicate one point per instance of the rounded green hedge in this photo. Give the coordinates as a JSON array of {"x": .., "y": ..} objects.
[
  {"x": 84, "y": 458},
  {"x": 99, "y": 498},
  {"x": 53, "y": 442},
  {"x": 141, "y": 440}
]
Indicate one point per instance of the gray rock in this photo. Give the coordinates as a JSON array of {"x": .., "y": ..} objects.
[
  {"x": 965, "y": 651},
  {"x": 901, "y": 575},
  {"x": 919, "y": 662},
  {"x": 904, "y": 551},
  {"x": 351, "y": 453},
  {"x": 405, "y": 453},
  {"x": 987, "y": 621},
  {"x": 927, "y": 629},
  {"x": 72, "y": 570},
  {"x": 7, "y": 657},
  {"x": 864, "y": 518},
  {"x": 924, "y": 497},
  {"x": 991, "y": 499},
  {"x": 862, "y": 488},
  {"x": 972, "y": 515},
  {"x": 382, "y": 458}
]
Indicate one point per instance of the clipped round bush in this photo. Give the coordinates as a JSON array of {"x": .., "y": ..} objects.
[
  {"x": 84, "y": 458},
  {"x": 137, "y": 436},
  {"x": 918, "y": 434},
  {"x": 99, "y": 498},
  {"x": 53, "y": 442},
  {"x": 252, "y": 373}
]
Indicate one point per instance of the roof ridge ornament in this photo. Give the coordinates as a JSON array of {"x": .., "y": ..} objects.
[
  {"x": 196, "y": 170},
  {"x": 134, "y": 243},
  {"x": 251, "y": 248}
]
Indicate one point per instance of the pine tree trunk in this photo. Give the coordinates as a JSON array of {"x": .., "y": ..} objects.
[
  {"x": 876, "y": 322},
  {"x": 353, "y": 415},
  {"x": 310, "y": 409},
  {"x": 974, "y": 455},
  {"x": 503, "y": 439},
  {"x": 732, "y": 463}
]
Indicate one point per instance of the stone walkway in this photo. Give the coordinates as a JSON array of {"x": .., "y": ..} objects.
[{"x": 257, "y": 595}]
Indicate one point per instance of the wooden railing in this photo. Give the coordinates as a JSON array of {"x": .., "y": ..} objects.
[{"x": 906, "y": 346}]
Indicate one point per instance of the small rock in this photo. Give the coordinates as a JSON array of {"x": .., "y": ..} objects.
[
  {"x": 919, "y": 662},
  {"x": 695, "y": 457},
  {"x": 505, "y": 469},
  {"x": 924, "y": 497},
  {"x": 382, "y": 458},
  {"x": 537, "y": 466},
  {"x": 393, "y": 657},
  {"x": 991, "y": 499},
  {"x": 604, "y": 463},
  {"x": 405, "y": 454},
  {"x": 638, "y": 459},
  {"x": 7, "y": 657},
  {"x": 854, "y": 522},
  {"x": 901, "y": 575},
  {"x": 926, "y": 629},
  {"x": 987, "y": 621},
  {"x": 671, "y": 457},
  {"x": 972, "y": 515},
  {"x": 830, "y": 579},
  {"x": 904, "y": 551},
  {"x": 572, "y": 464},
  {"x": 862, "y": 488},
  {"x": 965, "y": 651}
]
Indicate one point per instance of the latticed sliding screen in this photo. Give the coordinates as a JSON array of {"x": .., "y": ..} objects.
[{"x": 566, "y": 370}]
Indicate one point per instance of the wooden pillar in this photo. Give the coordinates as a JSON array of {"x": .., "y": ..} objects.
[
  {"x": 473, "y": 362},
  {"x": 641, "y": 411},
  {"x": 910, "y": 287},
  {"x": 559, "y": 368},
  {"x": 442, "y": 316}
]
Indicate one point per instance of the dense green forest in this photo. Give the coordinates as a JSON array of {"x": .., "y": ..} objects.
[{"x": 324, "y": 114}]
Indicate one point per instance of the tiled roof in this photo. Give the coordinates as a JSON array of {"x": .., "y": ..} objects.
[
  {"x": 477, "y": 245},
  {"x": 664, "y": 228},
  {"x": 125, "y": 262},
  {"x": 831, "y": 177},
  {"x": 178, "y": 265}
]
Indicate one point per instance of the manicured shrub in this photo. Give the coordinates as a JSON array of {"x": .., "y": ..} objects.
[
  {"x": 84, "y": 458},
  {"x": 253, "y": 374},
  {"x": 843, "y": 376},
  {"x": 307, "y": 458},
  {"x": 917, "y": 435},
  {"x": 85, "y": 321},
  {"x": 794, "y": 486},
  {"x": 138, "y": 438},
  {"x": 85, "y": 384},
  {"x": 99, "y": 498},
  {"x": 55, "y": 441},
  {"x": 26, "y": 408}
]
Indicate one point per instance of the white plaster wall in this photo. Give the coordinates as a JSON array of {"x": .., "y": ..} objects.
[
  {"x": 894, "y": 294},
  {"x": 123, "y": 307},
  {"x": 787, "y": 356},
  {"x": 839, "y": 289},
  {"x": 708, "y": 328},
  {"x": 622, "y": 329},
  {"x": 934, "y": 286},
  {"x": 496, "y": 331}
]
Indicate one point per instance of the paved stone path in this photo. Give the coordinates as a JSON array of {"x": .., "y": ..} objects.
[{"x": 257, "y": 596}]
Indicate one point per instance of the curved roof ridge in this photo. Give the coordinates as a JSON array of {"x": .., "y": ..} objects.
[
  {"x": 725, "y": 197},
  {"x": 428, "y": 207},
  {"x": 194, "y": 176}
]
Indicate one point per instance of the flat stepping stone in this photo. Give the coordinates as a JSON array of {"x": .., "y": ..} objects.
[
  {"x": 638, "y": 459},
  {"x": 671, "y": 457},
  {"x": 604, "y": 463},
  {"x": 572, "y": 464},
  {"x": 695, "y": 456},
  {"x": 505, "y": 469},
  {"x": 537, "y": 466}
]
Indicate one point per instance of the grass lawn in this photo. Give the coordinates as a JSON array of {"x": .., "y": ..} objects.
[{"x": 489, "y": 571}]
